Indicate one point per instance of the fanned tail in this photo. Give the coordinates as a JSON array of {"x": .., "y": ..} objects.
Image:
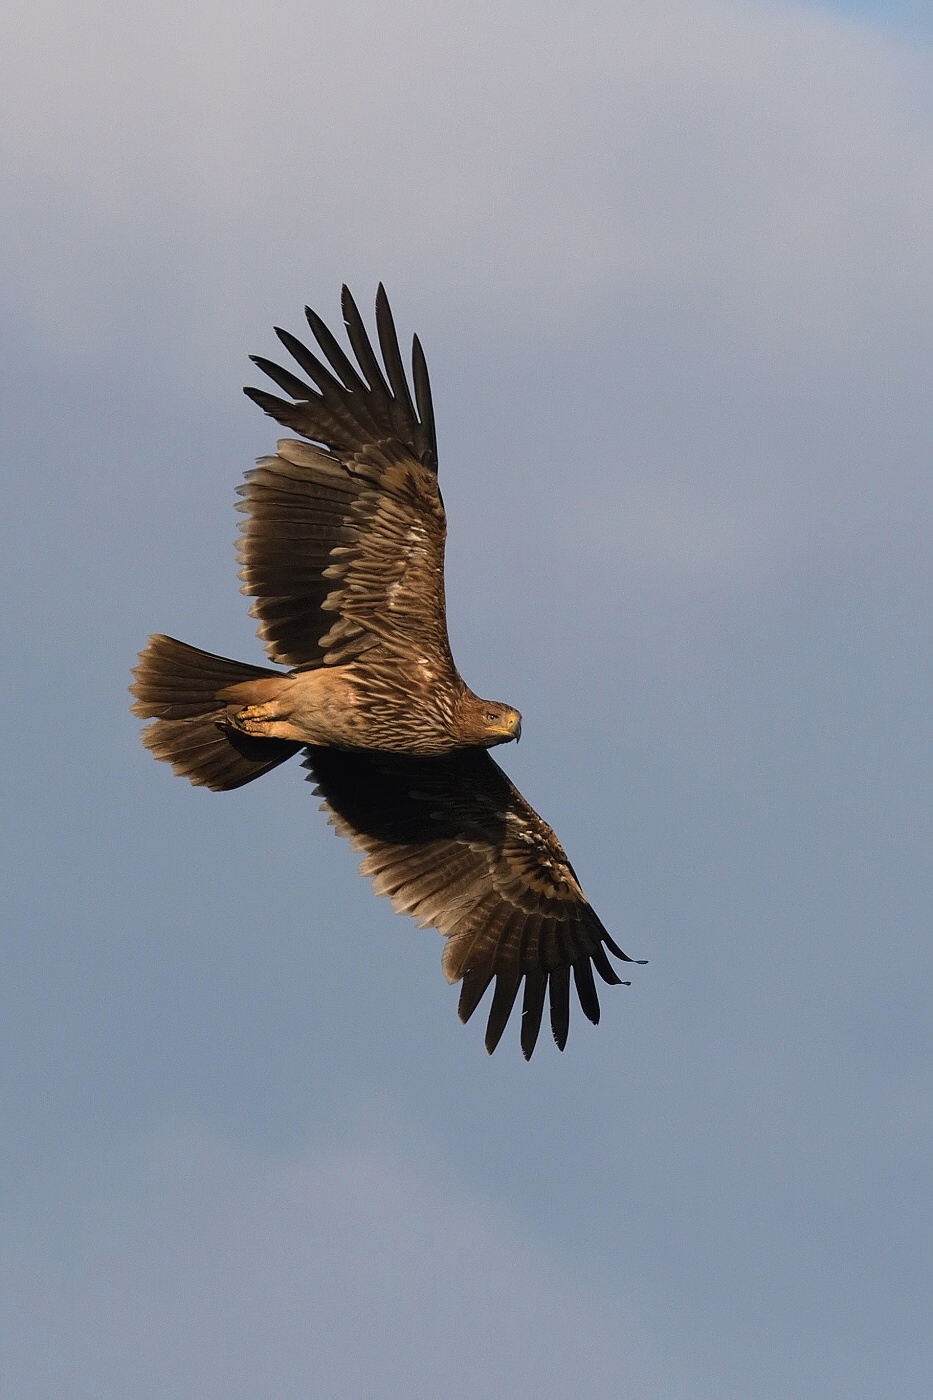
[{"x": 176, "y": 686}]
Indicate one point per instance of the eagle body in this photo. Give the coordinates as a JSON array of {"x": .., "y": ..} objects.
[
  {"x": 342, "y": 551},
  {"x": 350, "y": 707}
]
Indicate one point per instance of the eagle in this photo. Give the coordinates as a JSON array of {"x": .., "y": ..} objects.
[{"x": 342, "y": 551}]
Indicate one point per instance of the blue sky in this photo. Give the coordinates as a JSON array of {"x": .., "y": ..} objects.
[
  {"x": 670, "y": 264},
  {"x": 911, "y": 17}
]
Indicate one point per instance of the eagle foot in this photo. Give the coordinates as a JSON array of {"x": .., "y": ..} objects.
[{"x": 257, "y": 719}]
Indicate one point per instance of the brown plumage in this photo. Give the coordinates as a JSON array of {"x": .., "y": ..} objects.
[{"x": 342, "y": 550}]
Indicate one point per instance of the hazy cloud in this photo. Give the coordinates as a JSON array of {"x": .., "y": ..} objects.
[
  {"x": 180, "y": 1268},
  {"x": 716, "y": 216}
]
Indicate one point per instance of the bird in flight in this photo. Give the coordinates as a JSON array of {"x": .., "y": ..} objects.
[{"x": 342, "y": 550}]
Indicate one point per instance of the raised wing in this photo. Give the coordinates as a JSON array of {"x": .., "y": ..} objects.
[
  {"x": 343, "y": 545},
  {"x": 454, "y": 844}
]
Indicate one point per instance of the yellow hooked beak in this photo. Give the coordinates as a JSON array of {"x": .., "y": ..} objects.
[{"x": 512, "y": 729}]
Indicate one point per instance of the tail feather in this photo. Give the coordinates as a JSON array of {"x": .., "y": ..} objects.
[{"x": 176, "y": 686}]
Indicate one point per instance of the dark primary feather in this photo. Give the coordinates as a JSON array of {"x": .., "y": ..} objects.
[
  {"x": 360, "y": 342},
  {"x": 455, "y": 845},
  {"x": 283, "y": 377},
  {"x": 388, "y": 343},
  {"x": 423, "y": 399},
  {"x": 342, "y": 366},
  {"x": 348, "y": 413}
]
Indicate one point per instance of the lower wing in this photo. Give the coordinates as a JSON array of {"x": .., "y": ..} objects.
[{"x": 454, "y": 844}]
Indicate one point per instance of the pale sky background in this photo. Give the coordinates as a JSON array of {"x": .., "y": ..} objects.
[{"x": 671, "y": 264}]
